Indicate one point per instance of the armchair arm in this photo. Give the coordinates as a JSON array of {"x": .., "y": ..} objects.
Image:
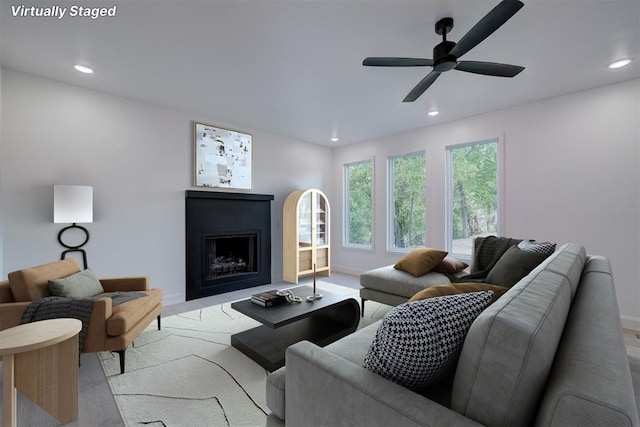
[
  {"x": 96, "y": 337},
  {"x": 125, "y": 284},
  {"x": 322, "y": 387},
  {"x": 11, "y": 314}
]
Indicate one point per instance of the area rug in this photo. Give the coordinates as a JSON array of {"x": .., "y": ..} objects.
[{"x": 188, "y": 374}]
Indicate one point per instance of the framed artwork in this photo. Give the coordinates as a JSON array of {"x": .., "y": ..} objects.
[{"x": 222, "y": 157}]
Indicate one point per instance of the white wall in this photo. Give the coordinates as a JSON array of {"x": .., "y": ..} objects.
[
  {"x": 1, "y": 192},
  {"x": 571, "y": 175},
  {"x": 138, "y": 158}
]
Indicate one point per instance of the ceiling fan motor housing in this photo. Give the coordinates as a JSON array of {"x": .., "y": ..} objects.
[{"x": 443, "y": 61}]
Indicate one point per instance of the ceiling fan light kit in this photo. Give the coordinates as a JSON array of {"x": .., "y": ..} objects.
[{"x": 447, "y": 53}]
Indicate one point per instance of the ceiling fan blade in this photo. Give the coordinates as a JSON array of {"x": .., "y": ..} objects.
[
  {"x": 486, "y": 26},
  {"x": 422, "y": 86},
  {"x": 489, "y": 68},
  {"x": 397, "y": 62}
]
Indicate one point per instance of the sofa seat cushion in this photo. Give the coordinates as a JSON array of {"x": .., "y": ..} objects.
[
  {"x": 128, "y": 314},
  {"x": 390, "y": 280},
  {"x": 353, "y": 348},
  {"x": 32, "y": 283}
]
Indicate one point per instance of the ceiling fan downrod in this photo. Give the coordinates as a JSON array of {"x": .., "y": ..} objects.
[{"x": 443, "y": 61}]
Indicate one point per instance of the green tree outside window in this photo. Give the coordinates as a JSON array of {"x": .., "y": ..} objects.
[
  {"x": 359, "y": 203},
  {"x": 473, "y": 193},
  {"x": 408, "y": 206}
]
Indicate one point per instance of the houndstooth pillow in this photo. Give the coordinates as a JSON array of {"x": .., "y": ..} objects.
[
  {"x": 537, "y": 247},
  {"x": 417, "y": 343}
]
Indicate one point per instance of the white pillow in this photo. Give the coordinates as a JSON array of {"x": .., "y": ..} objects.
[{"x": 417, "y": 343}]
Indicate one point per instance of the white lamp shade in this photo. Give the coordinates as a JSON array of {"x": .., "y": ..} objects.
[{"x": 72, "y": 203}]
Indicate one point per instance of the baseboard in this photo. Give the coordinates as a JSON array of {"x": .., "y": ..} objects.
[
  {"x": 173, "y": 299},
  {"x": 346, "y": 270},
  {"x": 630, "y": 322}
]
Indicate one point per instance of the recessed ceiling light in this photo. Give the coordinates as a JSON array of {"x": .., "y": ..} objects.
[
  {"x": 334, "y": 139},
  {"x": 433, "y": 113},
  {"x": 83, "y": 69},
  {"x": 620, "y": 63}
]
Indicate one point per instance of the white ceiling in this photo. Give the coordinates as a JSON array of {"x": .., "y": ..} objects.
[{"x": 294, "y": 68}]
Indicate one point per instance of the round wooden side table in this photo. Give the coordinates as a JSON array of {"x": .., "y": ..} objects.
[{"x": 41, "y": 359}]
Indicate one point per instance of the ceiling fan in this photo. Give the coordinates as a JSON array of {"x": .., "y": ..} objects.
[{"x": 446, "y": 54}]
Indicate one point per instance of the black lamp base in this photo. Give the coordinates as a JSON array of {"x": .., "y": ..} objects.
[{"x": 76, "y": 248}]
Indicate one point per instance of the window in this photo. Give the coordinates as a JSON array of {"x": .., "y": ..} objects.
[
  {"x": 407, "y": 206},
  {"x": 472, "y": 194},
  {"x": 358, "y": 203}
]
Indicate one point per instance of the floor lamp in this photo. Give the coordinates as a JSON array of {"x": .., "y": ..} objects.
[{"x": 73, "y": 204}]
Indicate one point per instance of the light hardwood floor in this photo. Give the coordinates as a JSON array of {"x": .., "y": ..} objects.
[{"x": 97, "y": 407}]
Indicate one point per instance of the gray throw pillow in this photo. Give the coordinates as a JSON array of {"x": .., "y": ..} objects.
[
  {"x": 513, "y": 266},
  {"x": 418, "y": 343},
  {"x": 80, "y": 285}
]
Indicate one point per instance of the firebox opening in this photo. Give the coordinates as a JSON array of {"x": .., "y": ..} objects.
[{"x": 230, "y": 255}]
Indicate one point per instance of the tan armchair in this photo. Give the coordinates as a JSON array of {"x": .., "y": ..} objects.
[{"x": 109, "y": 329}]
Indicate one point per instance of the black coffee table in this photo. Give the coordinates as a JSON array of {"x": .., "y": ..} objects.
[{"x": 322, "y": 322}]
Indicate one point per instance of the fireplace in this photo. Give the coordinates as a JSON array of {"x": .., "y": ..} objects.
[
  {"x": 228, "y": 255},
  {"x": 228, "y": 242}
]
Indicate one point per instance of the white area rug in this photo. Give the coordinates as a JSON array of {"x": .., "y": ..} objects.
[{"x": 188, "y": 374}]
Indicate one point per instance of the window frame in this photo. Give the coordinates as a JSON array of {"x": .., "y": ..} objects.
[
  {"x": 345, "y": 204},
  {"x": 449, "y": 191},
  {"x": 390, "y": 199}
]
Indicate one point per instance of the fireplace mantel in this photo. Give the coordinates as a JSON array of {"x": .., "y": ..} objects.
[
  {"x": 218, "y": 214},
  {"x": 223, "y": 195}
]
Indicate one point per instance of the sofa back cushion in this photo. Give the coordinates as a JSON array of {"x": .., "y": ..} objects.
[
  {"x": 509, "y": 350},
  {"x": 590, "y": 383},
  {"x": 32, "y": 283}
]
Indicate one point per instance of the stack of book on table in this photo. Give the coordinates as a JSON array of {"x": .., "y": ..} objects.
[{"x": 268, "y": 299}]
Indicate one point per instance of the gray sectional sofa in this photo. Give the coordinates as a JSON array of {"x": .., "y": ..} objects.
[{"x": 549, "y": 352}]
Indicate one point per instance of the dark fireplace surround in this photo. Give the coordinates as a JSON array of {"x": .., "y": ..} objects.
[{"x": 228, "y": 242}]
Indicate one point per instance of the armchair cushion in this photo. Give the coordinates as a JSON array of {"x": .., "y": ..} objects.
[
  {"x": 128, "y": 314},
  {"x": 79, "y": 285}
]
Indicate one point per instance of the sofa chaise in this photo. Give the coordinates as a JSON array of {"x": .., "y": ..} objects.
[
  {"x": 549, "y": 352},
  {"x": 109, "y": 328}
]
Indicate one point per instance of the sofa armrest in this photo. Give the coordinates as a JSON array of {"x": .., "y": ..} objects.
[
  {"x": 125, "y": 284},
  {"x": 323, "y": 389},
  {"x": 11, "y": 314}
]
